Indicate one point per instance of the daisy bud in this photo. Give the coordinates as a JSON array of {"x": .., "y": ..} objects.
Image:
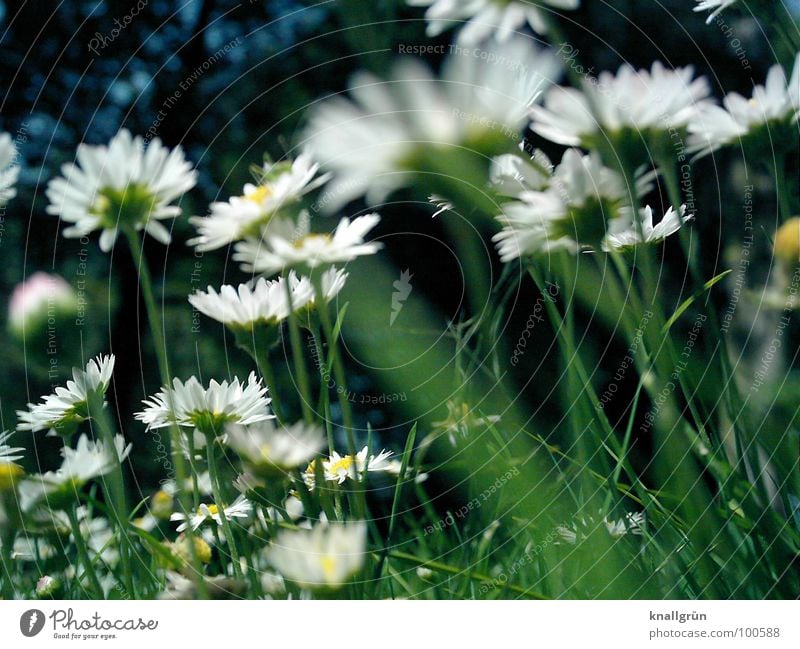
[
  {"x": 38, "y": 302},
  {"x": 47, "y": 586},
  {"x": 161, "y": 504},
  {"x": 9, "y": 475},
  {"x": 182, "y": 550},
  {"x": 787, "y": 242},
  {"x": 272, "y": 584},
  {"x": 424, "y": 573}
]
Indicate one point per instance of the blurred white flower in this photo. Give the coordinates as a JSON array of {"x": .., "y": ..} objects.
[
  {"x": 282, "y": 184},
  {"x": 96, "y": 531},
  {"x": 239, "y": 508},
  {"x": 631, "y": 103},
  {"x": 774, "y": 104},
  {"x": 122, "y": 185},
  {"x": 265, "y": 301},
  {"x": 338, "y": 468},
  {"x": 300, "y": 248},
  {"x": 271, "y": 450},
  {"x": 90, "y": 459},
  {"x": 511, "y": 174},
  {"x": 629, "y": 236},
  {"x": 47, "y": 586},
  {"x": 207, "y": 409},
  {"x": 326, "y": 556},
  {"x": 8, "y": 454},
  {"x": 63, "y": 411},
  {"x": 37, "y": 298},
  {"x": 9, "y": 171},
  {"x": 486, "y": 17},
  {"x": 633, "y": 523},
  {"x": 461, "y": 421},
  {"x": 389, "y": 128},
  {"x": 716, "y": 5},
  {"x": 574, "y": 211}
]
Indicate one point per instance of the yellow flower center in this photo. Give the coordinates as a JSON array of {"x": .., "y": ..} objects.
[
  {"x": 259, "y": 194},
  {"x": 311, "y": 238},
  {"x": 9, "y": 474},
  {"x": 328, "y": 566},
  {"x": 213, "y": 509},
  {"x": 342, "y": 466}
]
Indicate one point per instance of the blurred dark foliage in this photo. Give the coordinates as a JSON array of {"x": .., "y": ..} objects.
[{"x": 57, "y": 92}]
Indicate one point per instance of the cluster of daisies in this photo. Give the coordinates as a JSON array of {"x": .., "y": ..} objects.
[
  {"x": 267, "y": 516},
  {"x": 267, "y": 513},
  {"x": 623, "y": 129},
  {"x": 269, "y": 501}
]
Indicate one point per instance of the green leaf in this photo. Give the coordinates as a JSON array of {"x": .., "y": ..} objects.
[{"x": 689, "y": 301}]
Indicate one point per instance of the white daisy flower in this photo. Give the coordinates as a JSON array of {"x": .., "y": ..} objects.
[
  {"x": 631, "y": 104},
  {"x": 207, "y": 409},
  {"x": 397, "y": 126},
  {"x": 633, "y": 523},
  {"x": 631, "y": 236},
  {"x": 39, "y": 296},
  {"x": 279, "y": 250},
  {"x": 774, "y": 105},
  {"x": 338, "y": 468},
  {"x": 716, "y": 5},
  {"x": 63, "y": 411},
  {"x": 512, "y": 175},
  {"x": 122, "y": 185},
  {"x": 8, "y": 454},
  {"x": 28, "y": 548},
  {"x": 268, "y": 449},
  {"x": 10, "y": 473},
  {"x": 486, "y": 17},
  {"x": 90, "y": 459},
  {"x": 9, "y": 171},
  {"x": 461, "y": 420},
  {"x": 96, "y": 531},
  {"x": 326, "y": 556},
  {"x": 240, "y": 508},
  {"x": 281, "y": 185},
  {"x": 573, "y": 212},
  {"x": 264, "y": 302}
]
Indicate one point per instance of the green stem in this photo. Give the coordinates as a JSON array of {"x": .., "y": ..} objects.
[
  {"x": 7, "y": 565},
  {"x": 338, "y": 366},
  {"x": 116, "y": 482},
  {"x": 221, "y": 504},
  {"x": 154, "y": 319},
  {"x": 438, "y": 566},
  {"x": 324, "y": 394},
  {"x": 257, "y": 344},
  {"x": 297, "y": 357},
  {"x": 269, "y": 376},
  {"x": 83, "y": 552},
  {"x": 782, "y": 189}
]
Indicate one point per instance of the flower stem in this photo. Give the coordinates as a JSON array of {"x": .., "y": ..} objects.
[
  {"x": 154, "y": 319},
  {"x": 7, "y": 564},
  {"x": 216, "y": 491},
  {"x": 83, "y": 552},
  {"x": 338, "y": 366},
  {"x": 782, "y": 189},
  {"x": 116, "y": 481},
  {"x": 297, "y": 357}
]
